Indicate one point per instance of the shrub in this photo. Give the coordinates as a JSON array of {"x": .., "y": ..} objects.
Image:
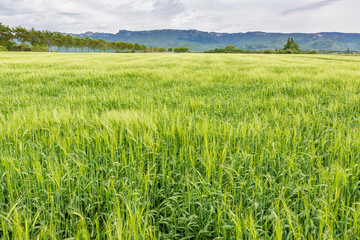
[
  {"x": 269, "y": 51},
  {"x": 312, "y": 52}
]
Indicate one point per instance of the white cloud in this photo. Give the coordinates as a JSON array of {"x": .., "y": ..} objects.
[{"x": 208, "y": 15}]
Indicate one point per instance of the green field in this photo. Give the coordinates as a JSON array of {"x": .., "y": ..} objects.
[{"x": 179, "y": 146}]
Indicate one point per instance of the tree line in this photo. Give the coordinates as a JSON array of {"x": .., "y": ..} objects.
[
  {"x": 291, "y": 47},
  {"x": 35, "y": 40},
  {"x": 38, "y": 40}
]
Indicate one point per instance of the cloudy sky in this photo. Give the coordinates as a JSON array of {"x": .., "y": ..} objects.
[{"x": 208, "y": 15}]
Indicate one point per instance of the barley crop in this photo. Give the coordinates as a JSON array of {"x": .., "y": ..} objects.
[{"x": 179, "y": 146}]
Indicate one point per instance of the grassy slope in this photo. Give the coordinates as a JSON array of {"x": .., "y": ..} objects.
[{"x": 172, "y": 146}]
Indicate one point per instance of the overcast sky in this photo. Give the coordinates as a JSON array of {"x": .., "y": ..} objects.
[{"x": 208, "y": 15}]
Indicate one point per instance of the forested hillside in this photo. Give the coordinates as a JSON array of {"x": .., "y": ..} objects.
[{"x": 199, "y": 41}]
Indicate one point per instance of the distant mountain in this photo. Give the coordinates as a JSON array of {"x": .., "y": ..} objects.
[{"x": 198, "y": 41}]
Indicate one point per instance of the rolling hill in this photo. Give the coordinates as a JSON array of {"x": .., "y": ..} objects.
[{"x": 198, "y": 41}]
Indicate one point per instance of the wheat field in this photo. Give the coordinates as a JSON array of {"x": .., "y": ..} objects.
[{"x": 179, "y": 146}]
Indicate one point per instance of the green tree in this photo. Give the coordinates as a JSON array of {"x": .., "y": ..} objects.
[
  {"x": 291, "y": 46},
  {"x": 23, "y": 35},
  {"x": 230, "y": 47},
  {"x": 77, "y": 43},
  {"x": 136, "y": 46},
  {"x": 48, "y": 39},
  {"x": 41, "y": 39},
  {"x": 6, "y": 35},
  {"x": 68, "y": 41},
  {"x": 11, "y": 45},
  {"x": 82, "y": 44},
  {"x": 58, "y": 39},
  {"x": 143, "y": 47},
  {"x": 36, "y": 38},
  {"x": 93, "y": 44},
  {"x": 108, "y": 46},
  {"x": 100, "y": 44},
  {"x": 122, "y": 45},
  {"x": 112, "y": 46},
  {"x": 170, "y": 49},
  {"x": 87, "y": 43},
  {"x": 181, "y": 50}
]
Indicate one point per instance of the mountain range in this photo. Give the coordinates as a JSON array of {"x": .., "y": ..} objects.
[{"x": 199, "y": 41}]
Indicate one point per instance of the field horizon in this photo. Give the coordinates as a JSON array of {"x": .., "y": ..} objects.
[{"x": 179, "y": 146}]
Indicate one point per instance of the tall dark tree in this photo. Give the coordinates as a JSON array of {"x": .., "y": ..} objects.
[
  {"x": 291, "y": 46},
  {"x": 122, "y": 45},
  {"x": 113, "y": 46},
  {"x": 108, "y": 46},
  {"x": 78, "y": 43},
  {"x": 68, "y": 41},
  {"x": 6, "y": 34},
  {"x": 58, "y": 40},
  {"x": 101, "y": 44},
  {"x": 23, "y": 35},
  {"x": 36, "y": 38},
  {"x": 49, "y": 39},
  {"x": 82, "y": 44},
  {"x": 93, "y": 43},
  {"x": 87, "y": 43}
]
